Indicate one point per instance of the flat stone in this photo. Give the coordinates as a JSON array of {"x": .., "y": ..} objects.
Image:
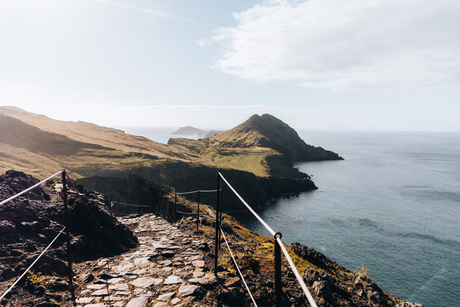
[
  {"x": 123, "y": 293},
  {"x": 165, "y": 262},
  {"x": 197, "y": 274},
  {"x": 130, "y": 275},
  {"x": 102, "y": 292},
  {"x": 85, "y": 300},
  {"x": 175, "y": 301},
  {"x": 119, "y": 287},
  {"x": 198, "y": 263},
  {"x": 145, "y": 282},
  {"x": 189, "y": 290},
  {"x": 114, "y": 280},
  {"x": 208, "y": 279},
  {"x": 160, "y": 304},
  {"x": 138, "y": 302},
  {"x": 159, "y": 246},
  {"x": 142, "y": 262},
  {"x": 95, "y": 305},
  {"x": 165, "y": 297},
  {"x": 173, "y": 280},
  {"x": 118, "y": 304}
]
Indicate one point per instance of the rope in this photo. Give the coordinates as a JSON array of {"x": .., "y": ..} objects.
[
  {"x": 238, "y": 268},
  {"x": 297, "y": 274},
  {"x": 122, "y": 213},
  {"x": 249, "y": 207},
  {"x": 124, "y": 204},
  {"x": 20, "y": 277},
  {"x": 201, "y": 191},
  {"x": 188, "y": 213},
  {"x": 27, "y": 190},
  {"x": 286, "y": 254}
]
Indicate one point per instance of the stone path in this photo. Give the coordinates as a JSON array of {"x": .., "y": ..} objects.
[{"x": 167, "y": 269}]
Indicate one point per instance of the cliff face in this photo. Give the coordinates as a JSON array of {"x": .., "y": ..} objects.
[{"x": 255, "y": 190}]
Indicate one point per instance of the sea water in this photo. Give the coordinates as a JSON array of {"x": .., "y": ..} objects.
[{"x": 392, "y": 206}]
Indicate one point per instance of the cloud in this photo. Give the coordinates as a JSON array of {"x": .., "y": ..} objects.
[{"x": 346, "y": 44}]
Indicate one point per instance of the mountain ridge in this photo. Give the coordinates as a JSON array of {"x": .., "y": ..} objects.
[
  {"x": 271, "y": 132},
  {"x": 39, "y": 145}
]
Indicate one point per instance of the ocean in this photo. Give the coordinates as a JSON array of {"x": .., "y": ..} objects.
[{"x": 392, "y": 206}]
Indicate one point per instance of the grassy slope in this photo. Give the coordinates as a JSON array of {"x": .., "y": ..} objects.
[
  {"x": 93, "y": 134},
  {"x": 250, "y": 159},
  {"x": 37, "y": 144},
  {"x": 241, "y": 148},
  {"x": 40, "y": 145}
]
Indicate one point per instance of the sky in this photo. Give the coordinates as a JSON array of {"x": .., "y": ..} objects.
[{"x": 316, "y": 64}]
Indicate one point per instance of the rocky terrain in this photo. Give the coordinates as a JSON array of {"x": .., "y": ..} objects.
[{"x": 148, "y": 261}]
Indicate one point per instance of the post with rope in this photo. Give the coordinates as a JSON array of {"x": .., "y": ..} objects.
[
  {"x": 175, "y": 204},
  {"x": 66, "y": 213},
  {"x": 278, "y": 284},
  {"x": 198, "y": 213},
  {"x": 217, "y": 224}
]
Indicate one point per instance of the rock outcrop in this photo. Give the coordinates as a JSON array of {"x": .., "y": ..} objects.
[{"x": 29, "y": 223}]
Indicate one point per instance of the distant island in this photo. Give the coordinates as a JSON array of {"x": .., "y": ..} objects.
[
  {"x": 192, "y": 131},
  {"x": 187, "y": 130}
]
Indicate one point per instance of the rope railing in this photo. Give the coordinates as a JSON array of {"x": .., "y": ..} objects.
[
  {"x": 66, "y": 227},
  {"x": 131, "y": 205},
  {"x": 124, "y": 205},
  {"x": 28, "y": 189},
  {"x": 196, "y": 191},
  {"x": 33, "y": 263},
  {"x": 278, "y": 244},
  {"x": 238, "y": 269},
  {"x": 198, "y": 206}
]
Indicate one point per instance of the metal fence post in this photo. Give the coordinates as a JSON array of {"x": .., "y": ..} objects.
[
  {"x": 217, "y": 224},
  {"x": 278, "y": 284},
  {"x": 175, "y": 204},
  {"x": 221, "y": 192},
  {"x": 198, "y": 213},
  {"x": 66, "y": 216}
]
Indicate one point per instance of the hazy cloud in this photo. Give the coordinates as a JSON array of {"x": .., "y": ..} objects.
[
  {"x": 346, "y": 44},
  {"x": 147, "y": 11}
]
